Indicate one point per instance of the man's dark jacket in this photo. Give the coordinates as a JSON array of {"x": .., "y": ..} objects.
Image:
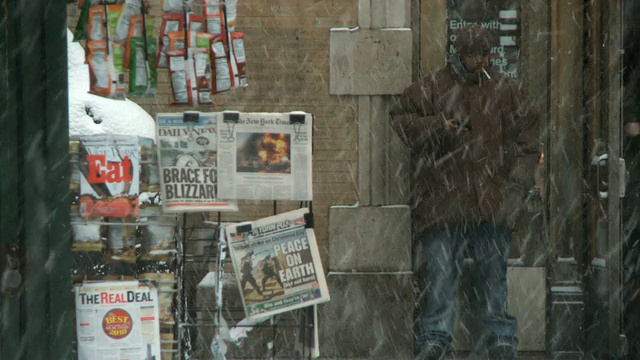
[{"x": 480, "y": 173}]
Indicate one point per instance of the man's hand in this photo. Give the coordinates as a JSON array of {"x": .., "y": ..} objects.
[
  {"x": 451, "y": 125},
  {"x": 454, "y": 125}
]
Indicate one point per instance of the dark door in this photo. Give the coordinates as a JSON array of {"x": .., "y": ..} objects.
[
  {"x": 35, "y": 298},
  {"x": 605, "y": 185}
]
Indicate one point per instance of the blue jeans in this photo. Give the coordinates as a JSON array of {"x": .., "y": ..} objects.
[{"x": 442, "y": 255}]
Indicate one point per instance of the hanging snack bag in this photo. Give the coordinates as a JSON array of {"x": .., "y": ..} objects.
[
  {"x": 237, "y": 45},
  {"x": 221, "y": 68},
  {"x": 114, "y": 12},
  {"x": 117, "y": 49},
  {"x": 121, "y": 243},
  {"x": 195, "y": 22},
  {"x": 176, "y": 41},
  {"x": 123, "y": 23},
  {"x": 215, "y": 13},
  {"x": 95, "y": 25},
  {"x": 179, "y": 71},
  {"x": 143, "y": 77},
  {"x": 176, "y": 6},
  {"x": 170, "y": 23},
  {"x": 135, "y": 30},
  {"x": 80, "y": 32},
  {"x": 117, "y": 56},
  {"x": 194, "y": 40},
  {"x": 202, "y": 71},
  {"x": 200, "y": 40},
  {"x": 102, "y": 73},
  {"x": 191, "y": 76}
]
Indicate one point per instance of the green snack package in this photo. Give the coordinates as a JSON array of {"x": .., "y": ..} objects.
[
  {"x": 80, "y": 31},
  {"x": 143, "y": 78}
]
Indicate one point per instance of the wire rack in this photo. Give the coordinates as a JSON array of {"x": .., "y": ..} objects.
[{"x": 209, "y": 303}]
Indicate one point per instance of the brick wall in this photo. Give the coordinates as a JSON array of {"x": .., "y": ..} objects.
[{"x": 287, "y": 50}]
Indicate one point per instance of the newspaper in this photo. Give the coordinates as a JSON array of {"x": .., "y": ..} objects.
[
  {"x": 187, "y": 153},
  {"x": 265, "y": 156},
  {"x": 277, "y": 264},
  {"x": 117, "y": 320},
  {"x": 109, "y": 168}
]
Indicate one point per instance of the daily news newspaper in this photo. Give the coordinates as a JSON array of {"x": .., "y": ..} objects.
[
  {"x": 277, "y": 264},
  {"x": 109, "y": 173},
  {"x": 188, "y": 156},
  {"x": 265, "y": 156},
  {"x": 117, "y": 320}
]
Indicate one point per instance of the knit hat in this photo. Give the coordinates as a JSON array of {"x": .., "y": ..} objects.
[{"x": 473, "y": 40}]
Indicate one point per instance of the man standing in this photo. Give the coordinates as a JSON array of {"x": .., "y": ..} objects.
[{"x": 474, "y": 140}]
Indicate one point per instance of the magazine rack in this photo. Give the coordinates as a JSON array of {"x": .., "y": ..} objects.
[
  {"x": 204, "y": 314},
  {"x": 197, "y": 252},
  {"x": 200, "y": 255}
]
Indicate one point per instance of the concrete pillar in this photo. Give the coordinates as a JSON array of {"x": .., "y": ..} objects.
[
  {"x": 370, "y": 314},
  {"x": 373, "y": 62}
]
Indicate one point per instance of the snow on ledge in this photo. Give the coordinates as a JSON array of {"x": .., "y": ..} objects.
[{"x": 122, "y": 117}]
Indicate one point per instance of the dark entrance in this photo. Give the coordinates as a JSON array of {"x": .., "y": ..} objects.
[{"x": 35, "y": 303}]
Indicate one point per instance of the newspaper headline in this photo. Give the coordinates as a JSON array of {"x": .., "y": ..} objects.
[
  {"x": 188, "y": 156},
  {"x": 277, "y": 264}
]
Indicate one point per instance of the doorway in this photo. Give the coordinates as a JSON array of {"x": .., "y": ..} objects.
[{"x": 568, "y": 58}]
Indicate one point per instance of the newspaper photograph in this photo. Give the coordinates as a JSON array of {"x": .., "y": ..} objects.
[
  {"x": 265, "y": 156},
  {"x": 117, "y": 320},
  {"x": 109, "y": 175},
  {"x": 277, "y": 264},
  {"x": 188, "y": 161}
]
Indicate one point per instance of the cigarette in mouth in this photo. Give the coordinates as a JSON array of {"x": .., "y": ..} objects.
[{"x": 486, "y": 74}]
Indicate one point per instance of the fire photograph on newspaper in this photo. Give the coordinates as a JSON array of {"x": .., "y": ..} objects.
[
  {"x": 264, "y": 156},
  {"x": 263, "y": 153}
]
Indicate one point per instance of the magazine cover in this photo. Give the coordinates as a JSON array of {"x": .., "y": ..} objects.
[
  {"x": 277, "y": 264},
  {"x": 265, "y": 156},
  {"x": 117, "y": 320},
  {"x": 109, "y": 167},
  {"x": 188, "y": 160}
]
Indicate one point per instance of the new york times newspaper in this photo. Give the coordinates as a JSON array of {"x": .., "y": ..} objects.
[
  {"x": 277, "y": 264},
  {"x": 265, "y": 156},
  {"x": 188, "y": 157}
]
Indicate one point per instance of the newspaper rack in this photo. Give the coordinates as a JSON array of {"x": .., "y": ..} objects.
[{"x": 304, "y": 319}]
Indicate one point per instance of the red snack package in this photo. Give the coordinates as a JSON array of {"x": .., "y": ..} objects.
[{"x": 170, "y": 23}]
